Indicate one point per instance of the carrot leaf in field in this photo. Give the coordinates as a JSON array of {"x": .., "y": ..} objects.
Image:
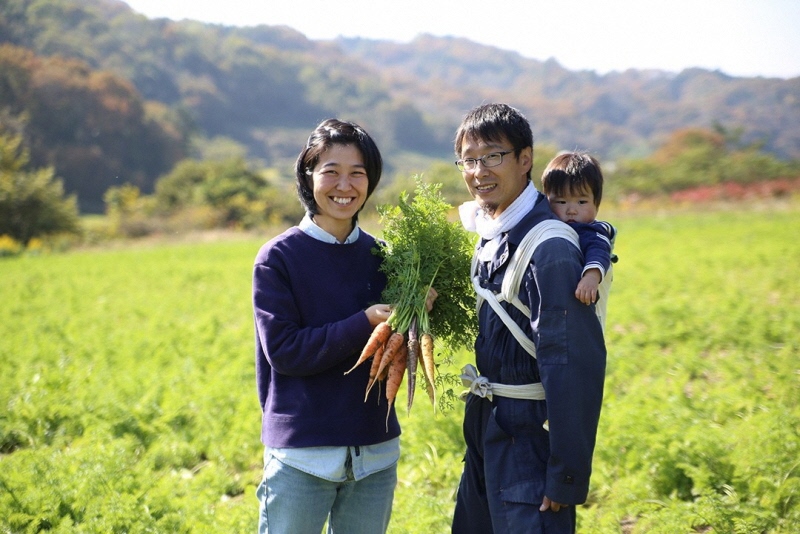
[{"x": 423, "y": 249}]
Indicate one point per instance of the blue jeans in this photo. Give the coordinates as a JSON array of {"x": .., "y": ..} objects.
[{"x": 294, "y": 502}]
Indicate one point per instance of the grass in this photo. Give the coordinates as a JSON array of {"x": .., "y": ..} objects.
[{"x": 128, "y": 404}]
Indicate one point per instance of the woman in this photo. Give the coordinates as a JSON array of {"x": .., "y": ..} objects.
[{"x": 329, "y": 454}]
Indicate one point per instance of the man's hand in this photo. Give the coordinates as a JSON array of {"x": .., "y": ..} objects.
[
  {"x": 431, "y": 298},
  {"x": 552, "y": 505}
]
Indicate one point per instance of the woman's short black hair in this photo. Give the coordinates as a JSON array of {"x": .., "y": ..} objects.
[{"x": 335, "y": 132}]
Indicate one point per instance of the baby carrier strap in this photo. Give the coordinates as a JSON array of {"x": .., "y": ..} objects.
[{"x": 515, "y": 270}]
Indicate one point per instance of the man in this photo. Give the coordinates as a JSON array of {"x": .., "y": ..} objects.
[{"x": 531, "y": 420}]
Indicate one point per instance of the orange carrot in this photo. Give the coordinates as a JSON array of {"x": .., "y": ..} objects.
[
  {"x": 384, "y": 373},
  {"x": 395, "y": 378},
  {"x": 373, "y": 370},
  {"x": 396, "y": 372},
  {"x": 428, "y": 365},
  {"x": 378, "y": 337},
  {"x": 385, "y": 360},
  {"x": 392, "y": 346}
]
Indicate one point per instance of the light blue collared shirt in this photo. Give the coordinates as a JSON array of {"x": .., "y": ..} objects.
[
  {"x": 310, "y": 227},
  {"x": 337, "y": 464}
]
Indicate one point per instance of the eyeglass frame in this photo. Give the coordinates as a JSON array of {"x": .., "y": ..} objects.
[{"x": 460, "y": 163}]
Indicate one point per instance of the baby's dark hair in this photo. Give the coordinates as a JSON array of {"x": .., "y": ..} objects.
[{"x": 573, "y": 172}]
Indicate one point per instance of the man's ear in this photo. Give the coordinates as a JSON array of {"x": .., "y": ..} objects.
[{"x": 526, "y": 158}]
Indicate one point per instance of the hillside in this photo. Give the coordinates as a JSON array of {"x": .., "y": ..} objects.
[
  {"x": 259, "y": 90},
  {"x": 618, "y": 114}
]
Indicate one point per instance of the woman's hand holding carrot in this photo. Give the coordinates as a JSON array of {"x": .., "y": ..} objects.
[{"x": 378, "y": 313}]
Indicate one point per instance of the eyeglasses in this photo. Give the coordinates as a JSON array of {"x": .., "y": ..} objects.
[{"x": 489, "y": 160}]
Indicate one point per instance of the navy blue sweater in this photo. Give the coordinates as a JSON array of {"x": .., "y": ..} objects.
[{"x": 308, "y": 300}]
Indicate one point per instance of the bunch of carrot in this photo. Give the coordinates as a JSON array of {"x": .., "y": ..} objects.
[
  {"x": 393, "y": 354},
  {"x": 421, "y": 250}
]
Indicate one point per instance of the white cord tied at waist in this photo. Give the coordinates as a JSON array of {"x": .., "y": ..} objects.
[{"x": 480, "y": 386}]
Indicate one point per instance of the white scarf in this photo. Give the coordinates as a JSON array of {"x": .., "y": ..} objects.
[{"x": 475, "y": 219}]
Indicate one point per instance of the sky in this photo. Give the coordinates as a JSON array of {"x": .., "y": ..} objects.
[{"x": 738, "y": 37}]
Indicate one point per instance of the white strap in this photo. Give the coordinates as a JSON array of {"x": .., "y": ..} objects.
[
  {"x": 522, "y": 257},
  {"x": 480, "y": 386},
  {"x": 603, "y": 291},
  {"x": 516, "y": 331},
  {"x": 515, "y": 271}
]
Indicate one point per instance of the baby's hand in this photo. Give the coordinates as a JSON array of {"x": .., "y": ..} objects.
[{"x": 587, "y": 287}]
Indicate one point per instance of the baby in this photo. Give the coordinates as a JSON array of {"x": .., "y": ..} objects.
[{"x": 573, "y": 183}]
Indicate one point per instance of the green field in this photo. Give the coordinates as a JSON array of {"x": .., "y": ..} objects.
[{"x": 128, "y": 404}]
